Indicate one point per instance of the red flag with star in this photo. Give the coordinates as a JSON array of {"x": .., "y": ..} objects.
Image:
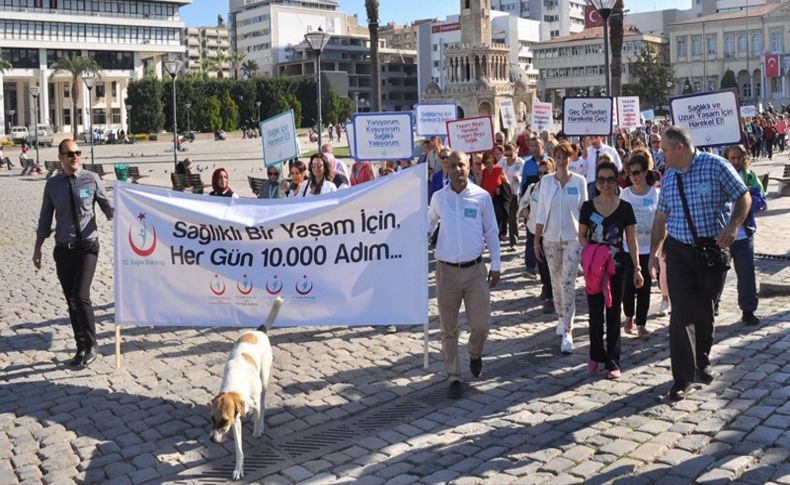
[{"x": 772, "y": 67}]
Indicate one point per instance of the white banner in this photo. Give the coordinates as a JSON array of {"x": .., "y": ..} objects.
[
  {"x": 542, "y": 117},
  {"x": 587, "y": 116},
  {"x": 354, "y": 257},
  {"x": 748, "y": 111},
  {"x": 471, "y": 135},
  {"x": 508, "y": 113},
  {"x": 432, "y": 118},
  {"x": 350, "y": 139},
  {"x": 383, "y": 136},
  {"x": 628, "y": 112},
  {"x": 712, "y": 119},
  {"x": 278, "y": 138}
]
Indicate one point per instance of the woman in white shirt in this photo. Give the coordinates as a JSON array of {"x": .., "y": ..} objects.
[
  {"x": 298, "y": 179},
  {"x": 320, "y": 181},
  {"x": 556, "y": 230},
  {"x": 643, "y": 198}
]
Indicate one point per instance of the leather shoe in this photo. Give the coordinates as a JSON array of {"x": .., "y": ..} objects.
[
  {"x": 456, "y": 390},
  {"x": 77, "y": 359},
  {"x": 704, "y": 376},
  {"x": 476, "y": 366},
  {"x": 89, "y": 357},
  {"x": 678, "y": 391},
  {"x": 749, "y": 318}
]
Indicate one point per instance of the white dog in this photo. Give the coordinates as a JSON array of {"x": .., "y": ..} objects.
[{"x": 243, "y": 389}]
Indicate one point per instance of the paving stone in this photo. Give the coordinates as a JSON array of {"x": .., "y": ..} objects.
[{"x": 764, "y": 435}]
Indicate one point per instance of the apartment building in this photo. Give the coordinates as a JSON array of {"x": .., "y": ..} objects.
[
  {"x": 557, "y": 18},
  {"x": 207, "y": 43}
]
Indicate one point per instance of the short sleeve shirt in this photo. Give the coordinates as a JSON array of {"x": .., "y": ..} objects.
[{"x": 609, "y": 230}]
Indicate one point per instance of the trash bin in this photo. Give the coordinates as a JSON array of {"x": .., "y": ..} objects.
[{"x": 122, "y": 172}]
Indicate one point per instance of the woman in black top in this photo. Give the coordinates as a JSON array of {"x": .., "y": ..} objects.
[
  {"x": 607, "y": 220},
  {"x": 220, "y": 185}
]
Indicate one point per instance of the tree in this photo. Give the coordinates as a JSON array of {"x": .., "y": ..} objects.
[
  {"x": 249, "y": 68},
  {"x": 372, "y": 8},
  {"x": 220, "y": 62},
  {"x": 616, "y": 44},
  {"x": 206, "y": 66},
  {"x": 652, "y": 79},
  {"x": 728, "y": 80},
  {"x": 145, "y": 96},
  {"x": 287, "y": 101},
  {"x": 4, "y": 65},
  {"x": 236, "y": 60},
  {"x": 687, "y": 89},
  {"x": 337, "y": 109},
  {"x": 229, "y": 112},
  {"x": 78, "y": 67}
]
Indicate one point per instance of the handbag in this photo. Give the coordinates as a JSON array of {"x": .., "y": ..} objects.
[{"x": 707, "y": 255}]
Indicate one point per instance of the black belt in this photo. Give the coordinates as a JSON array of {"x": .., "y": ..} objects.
[
  {"x": 466, "y": 264},
  {"x": 75, "y": 244}
]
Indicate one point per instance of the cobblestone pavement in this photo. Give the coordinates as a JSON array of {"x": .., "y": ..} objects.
[{"x": 355, "y": 405}]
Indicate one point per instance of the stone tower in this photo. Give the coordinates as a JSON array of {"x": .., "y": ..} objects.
[{"x": 476, "y": 22}]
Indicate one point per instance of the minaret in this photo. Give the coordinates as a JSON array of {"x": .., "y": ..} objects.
[{"x": 476, "y": 22}]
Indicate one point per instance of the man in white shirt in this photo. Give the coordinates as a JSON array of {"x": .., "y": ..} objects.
[
  {"x": 512, "y": 166},
  {"x": 468, "y": 225},
  {"x": 596, "y": 149}
]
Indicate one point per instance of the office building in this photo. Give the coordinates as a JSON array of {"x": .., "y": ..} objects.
[
  {"x": 207, "y": 43},
  {"x": 557, "y": 18}
]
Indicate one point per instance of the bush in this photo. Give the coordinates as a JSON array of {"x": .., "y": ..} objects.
[
  {"x": 145, "y": 96},
  {"x": 229, "y": 112},
  {"x": 284, "y": 102}
]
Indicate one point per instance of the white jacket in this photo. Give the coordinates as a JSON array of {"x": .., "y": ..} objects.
[{"x": 559, "y": 207}]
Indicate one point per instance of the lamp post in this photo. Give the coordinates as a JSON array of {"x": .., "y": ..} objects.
[
  {"x": 129, "y": 122},
  {"x": 173, "y": 66},
  {"x": 90, "y": 81},
  {"x": 604, "y": 8},
  {"x": 189, "y": 111},
  {"x": 258, "y": 104},
  {"x": 318, "y": 40},
  {"x": 34, "y": 91}
]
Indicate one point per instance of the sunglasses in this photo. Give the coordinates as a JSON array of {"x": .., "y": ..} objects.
[
  {"x": 606, "y": 180},
  {"x": 316, "y": 165},
  {"x": 636, "y": 173},
  {"x": 73, "y": 154},
  {"x": 444, "y": 157},
  {"x": 273, "y": 174}
]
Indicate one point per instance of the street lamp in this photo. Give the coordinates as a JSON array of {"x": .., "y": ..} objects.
[
  {"x": 258, "y": 104},
  {"x": 35, "y": 91},
  {"x": 11, "y": 113},
  {"x": 173, "y": 66},
  {"x": 318, "y": 41},
  {"x": 189, "y": 131},
  {"x": 90, "y": 81},
  {"x": 129, "y": 122},
  {"x": 604, "y": 8}
]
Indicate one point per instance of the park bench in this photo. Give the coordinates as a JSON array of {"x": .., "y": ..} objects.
[
  {"x": 97, "y": 168},
  {"x": 179, "y": 181},
  {"x": 784, "y": 182},
  {"x": 196, "y": 182},
  {"x": 764, "y": 181},
  {"x": 51, "y": 167},
  {"x": 134, "y": 174},
  {"x": 255, "y": 184}
]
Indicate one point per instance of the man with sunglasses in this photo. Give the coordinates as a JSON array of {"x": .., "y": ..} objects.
[
  {"x": 70, "y": 197},
  {"x": 658, "y": 154}
]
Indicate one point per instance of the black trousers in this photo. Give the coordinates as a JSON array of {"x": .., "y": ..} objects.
[
  {"x": 608, "y": 353},
  {"x": 691, "y": 325},
  {"x": 75, "y": 269},
  {"x": 642, "y": 294}
]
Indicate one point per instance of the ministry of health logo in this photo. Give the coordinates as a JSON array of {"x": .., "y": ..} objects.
[
  {"x": 304, "y": 286},
  {"x": 244, "y": 286},
  {"x": 217, "y": 286},
  {"x": 144, "y": 242},
  {"x": 274, "y": 286}
]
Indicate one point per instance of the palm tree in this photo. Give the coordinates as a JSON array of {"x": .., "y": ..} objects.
[
  {"x": 249, "y": 68},
  {"x": 372, "y": 8},
  {"x": 236, "y": 59},
  {"x": 78, "y": 67},
  {"x": 206, "y": 66},
  {"x": 220, "y": 62},
  {"x": 616, "y": 42},
  {"x": 5, "y": 65}
]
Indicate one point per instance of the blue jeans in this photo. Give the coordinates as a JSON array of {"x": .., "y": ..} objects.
[{"x": 743, "y": 260}]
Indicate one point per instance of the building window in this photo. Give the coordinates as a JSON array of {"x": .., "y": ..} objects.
[
  {"x": 99, "y": 90},
  {"x": 21, "y": 58},
  {"x": 681, "y": 47},
  {"x": 66, "y": 90},
  {"x": 711, "y": 47},
  {"x": 99, "y": 116},
  {"x": 743, "y": 43},
  {"x": 729, "y": 46},
  {"x": 696, "y": 46},
  {"x": 114, "y": 89},
  {"x": 757, "y": 44},
  {"x": 67, "y": 116},
  {"x": 116, "y": 116},
  {"x": 777, "y": 42}
]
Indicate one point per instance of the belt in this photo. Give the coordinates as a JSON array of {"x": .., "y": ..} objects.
[
  {"x": 466, "y": 264},
  {"x": 74, "y": 244}
]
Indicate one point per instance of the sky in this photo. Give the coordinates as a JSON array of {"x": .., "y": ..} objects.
[{"x": 204, "y": 12}]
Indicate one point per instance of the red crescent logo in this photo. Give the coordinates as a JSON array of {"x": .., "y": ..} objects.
[
  {"x": 276, "y": 287},
  {"x": 144, "y": 253},
  {"x": 220, "y": 289},
  {"x": 306, "y": 291},
  {"x": 243, "y": 292}
]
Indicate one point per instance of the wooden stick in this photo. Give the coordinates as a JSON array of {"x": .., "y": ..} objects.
[
  {"x": 425, "y": 344},
  {"x": 117, "y": 346}
]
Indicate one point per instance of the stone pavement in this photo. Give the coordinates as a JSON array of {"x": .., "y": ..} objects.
[{"x": 355, "y": 404}]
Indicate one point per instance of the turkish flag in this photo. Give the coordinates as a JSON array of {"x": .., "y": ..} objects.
[
  {"x": 772, "y": 65},
  {"x": 591, "y": 17}
]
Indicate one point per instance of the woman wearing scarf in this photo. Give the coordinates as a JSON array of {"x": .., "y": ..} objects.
[
  {"x": 337, "y": 178},
  {"x": 272, "y": 186},
  {"x": 361, "y": 172},
  {"x": 220, "y": 185}
]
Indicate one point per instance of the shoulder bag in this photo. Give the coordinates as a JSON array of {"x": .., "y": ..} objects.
[{"x": 708, "y": 256}]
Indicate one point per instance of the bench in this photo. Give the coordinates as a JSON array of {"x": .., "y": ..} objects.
[
  {"x": 255, "y": 184},
  {"x": 97, "y": 168},
  {"x": 51, "y": 167},
  {"x": 784, "y": 182},
  {"x": 196, "y": 182},
  {"x": 179, "y": 181},
  {"x": 134, "y": 174}
]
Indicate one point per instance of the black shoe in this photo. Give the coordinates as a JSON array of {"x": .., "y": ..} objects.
[
  {"x": 456, "y": 390},
  {"x": 678, "y": 391},
  {"x": 90, "y": 356},
  {"x": 476, "y": 366},
  {"x": 704, "y": 376},
  {"x": 716, "y": 310},
  {"x": 77, "y": 359},
  {"x": 749, "y": 318}
]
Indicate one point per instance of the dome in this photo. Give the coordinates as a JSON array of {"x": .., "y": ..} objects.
[
  {"x": 433, "y": 89},
  {"x": 483, "y": 84}
]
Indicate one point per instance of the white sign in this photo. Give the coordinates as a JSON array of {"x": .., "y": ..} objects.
[
  {"x": 350, "y": 139},
  {"x": 278, "y": 137},
  {"x": 649, "y": 114},
  {"x": 587, "y": 116},
  {"x": 432, "y": 118},
  {"x": 628, "y": 112},
  {"x": 542, "y": 117},
  {"x": 748, "y": 111},
  {"x": 712, "y": 119},
  {"x": 383, "y": 136},
  {"x": 354, "y": 257},
  {"x": 471, "y": 135},
  {"x": 508, "y": 113}
]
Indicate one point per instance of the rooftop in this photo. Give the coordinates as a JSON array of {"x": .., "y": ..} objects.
[
  {"x": 758, "y": 11},
  {"x": 592, "y": 34}
]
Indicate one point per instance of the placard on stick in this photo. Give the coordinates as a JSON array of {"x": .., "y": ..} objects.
[
  {"x": 383, "y": 136},
  {"x": 278, "y": 139},
  {"x": 508, "y": 113},
  {"x": 542, "y": 117},
  {"x": 587, "y": 116},
  {"x": 432, "y": 118},
  {"x": 712, "y": 119},
  {"x": 628, "y": 111},
  {"x": 350, "y": 139},
  {"x": 471, "y": 135}
]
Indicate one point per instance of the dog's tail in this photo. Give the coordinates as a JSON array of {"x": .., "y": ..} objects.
[{"x": 278, "y": 302}]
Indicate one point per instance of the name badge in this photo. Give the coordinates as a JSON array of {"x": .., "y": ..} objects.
[
  {"x": 470, "y": 213},
  {"x": 647, "y": 202},
  {"x": 597, "y": 218},
  {"x": 704, "y": 188},
  {"x": 573, "y": 191},
  {"x": 85, "y": 193}
]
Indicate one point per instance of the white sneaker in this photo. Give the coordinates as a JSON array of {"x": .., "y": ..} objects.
[
  {"x": 567, "y": 344},
  {"x": 664, "y": 308},
  {"x": 560, "y": 327}
]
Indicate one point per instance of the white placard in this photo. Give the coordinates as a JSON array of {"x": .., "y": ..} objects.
[
  {"x": 278, "y": 139},
  {"x": 353, "y": 257},
  {"x": 649, "y": 114},
  {"x": 712, "y": 119},
  {"x": 350, "y": 139},
  {"x": 432, "y": 118},
  {"x": 542, "y": 117},
  {"x": 508, "y": 113},
  {"x": 383, "y": 136},
  {"x": 628, "y": 112},
  {"x": 471, "y": 135},
  {"x": 748, "y": 111},
  {"x": 587, "y": 116}
]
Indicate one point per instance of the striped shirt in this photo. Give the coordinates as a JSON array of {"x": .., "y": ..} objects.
[{"x": 711, "y": 186}]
